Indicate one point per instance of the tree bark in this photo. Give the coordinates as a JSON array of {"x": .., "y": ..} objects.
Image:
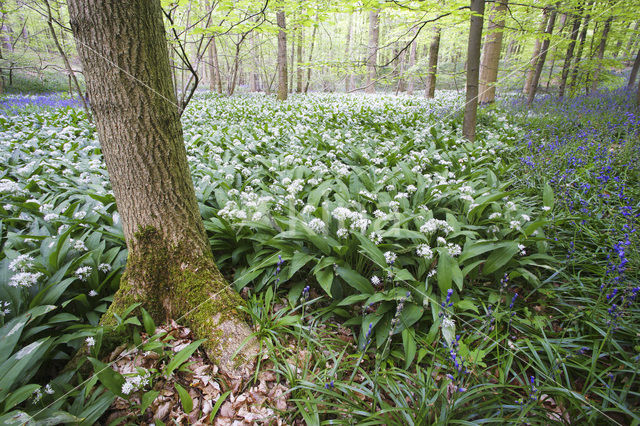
[
  {"x": 432, "y": 68},
  {"x": 473, "y": 70},
  {"x": 531, "y": 70},
  {"x": 582, "y": 38},
  {"x": 412, "y": 63},
  {"x": 491, "y": 58},
  {"x": 634, "y": 71},
  {"x": 170, "y": 268},
  {"x": 543, "y": 56},
  {"x": 299, "y": 73},
  {"x": 292, "y": 74},
  {"x": 282, "y": 56},
  {"x": 347, "y": 55},
  {"x": 601, "y": 49},
  {"x": 563, "y": 22},
  {"x": 313, "y": 42},
  {"x": 215, "y": 83},
  {"x": 374, "y": 32},
  {"x": 569, "y": 55}
]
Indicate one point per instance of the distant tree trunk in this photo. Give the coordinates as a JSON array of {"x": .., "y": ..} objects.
[
  {"x": 633, "y": 38},
  {"x": 491, "y": 58},
  {"x": 282, "y": 56},
  {"x": 299, "y": 73},
  {"x": 634, "y": 71},
  {"x": 473, "y": 70},
  {"x": 170, "y": 268},
  {"x": 215, "y": 83},
  {"x": 432, "y": 67},
  {"x": 374, "y": 32},
  {"x": 313, "y": 42},
  {"x": 638, "y": 97},
  {"x": 563, "y": 22},
  {"x": 347, "y": 55},
  {"x": 292, "y": 74},
  {"x": 543, "y": 56},
  {"x": 531, "y": 70},
  {"x": 601, "y": 49},
  {"x": 569, "y": 55},
  {"x": 412, "y": 63},
  {"x": 582, "y": 38}
]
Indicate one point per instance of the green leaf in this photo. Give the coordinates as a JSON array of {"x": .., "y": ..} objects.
[
  {"x": 445, "y": 270},
  {"x": 19, "y": 395},
  {"x": 409, "y": 343},
  {"x": 110, "y": 378},
  {"x": 298, "y": 260},
  {"x": 355, "y": 280},
  {"x": 325, "y": 279},
  {"x": 547, "y": 196},
  {"x": 218, "y": 404},
  {"x": 182, "y": 356},
  {"x": 501, "y": 257},
  {"x": 149, "y": 325},
  {"x": 185, "y": 398},
  {"x": 467, "y": 305}
]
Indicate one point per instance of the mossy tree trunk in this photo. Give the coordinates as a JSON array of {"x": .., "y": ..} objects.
[{"x": 170, "y": 268}]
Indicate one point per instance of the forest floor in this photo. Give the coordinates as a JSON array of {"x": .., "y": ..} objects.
[{"x": 394, "y": 273}]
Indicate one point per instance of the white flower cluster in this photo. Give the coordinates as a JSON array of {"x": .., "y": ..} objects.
[
  {"x": 317, "y": 225},
  {"x": 425, "y": 251},
  {"x": 135, "y": 383},
  {"x": 24, "y": 279},
  {"x": 83, "y": 272},
  {"x": 359, "y": 221},
  {"x": 390, "y": 257},
  {"x": 433, "y": 225},
  {"x": 4, "y": 308},
  {"x": 22, "y": 263}
]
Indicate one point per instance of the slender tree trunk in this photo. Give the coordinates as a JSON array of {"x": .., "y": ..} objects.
[
  {"x": 282, "y": 56},
  {"x": 634, "y": 71},
  {"x": 67, "y": 65},
  {"x": 563, "y": 22},
  {"x": 543, "y": 56},
  {"x": 632, "y": 39},
  {"x": 170, "y": 268},
  {"x": 299, "y": 73},
  {"x": 292, "y": 74},
  {"x": 432, "y": 68},
  {"x": 374, "y": 32},
  {"x": 569, "y": 55},
  {"x": 412, "y": 64},
  {"x": 473, "y": 70},
  {"x": 531, "y": 70},
  {"x": 578, "y": 58},
  {"x": 313, "y": 42},
  {"x": 347, "y": 55},
  {"x": 492, "y": 49},
  {"x": 601, "y": 49},
  {"x": 215, "y": 84}
]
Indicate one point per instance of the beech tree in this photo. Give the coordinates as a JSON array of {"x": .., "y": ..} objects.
[
  {"x": 491, "y": 56},
  {"x": 170, "y": 268},
  {"x": 432, "y": 68},
  {"x": 473, "y": 70},
  {"x": 282, "y": 56}
]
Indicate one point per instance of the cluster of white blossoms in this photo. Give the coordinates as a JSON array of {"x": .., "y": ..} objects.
[
  {"x": 22, "y": 263},
  {"x": 423, "y": 250},
  {"x": 135, "y": 383},
  {"x": 317, "y": 225},
  {"x": 4, "y": 308},
  {"x": 104, "y": 267},
  {"x": 433, "y": 225},
  {"x": 83, "y": 273},
  {"x": 522, "y": 248},
  {"x": 9, "y": 186},
  {"x": 230, "y": 211},
  {"x": 390, "y": 257},
  {"x": 24, "y": 279},
  {"x": 359, "y": 221}
]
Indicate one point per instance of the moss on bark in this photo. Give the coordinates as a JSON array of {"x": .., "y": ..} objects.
[{"x": 180, "y": 283}]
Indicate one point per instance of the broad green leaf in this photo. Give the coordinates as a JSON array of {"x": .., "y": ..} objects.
[
  {"x": 185, "y": 398},
  {"x": 182, "y": 356}
]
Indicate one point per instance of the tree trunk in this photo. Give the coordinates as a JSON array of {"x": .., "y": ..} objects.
[
  {"x": 569, "y": 55},
  {"x": 299, "y": 73},
  {"x": 473, "y": 70},
  {"x": 170, "y": 268},
  {"x": 412, "y": 63},
  {"x": 601, "y": 48},
  {"x": 313, "y": 42},
  {"x": 374, "y": 32},
  {"x": 582, "y": 38},
  {"x": 282, "y": 56},
  {"x": 215, "y": 83},
  {"x": 563, "y": 22},
  {"x": 432, "y": 68},
  {"x": 634, "y": 71},
  {"x": 543, "y": 56},
  {"x": 531, "y": 70},
  {"x": 291, "y": 74},
  {"x": 632, "y": 39},
  {"x": 491, "y": 58},
  {"x": 347, "y": 55}
]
